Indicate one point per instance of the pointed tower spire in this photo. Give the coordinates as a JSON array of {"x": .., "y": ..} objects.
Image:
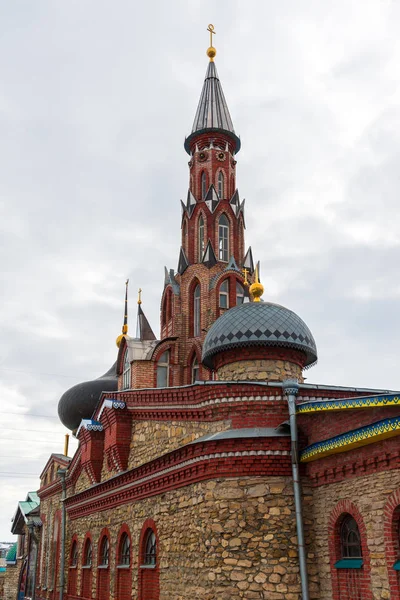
[
  {"x": 212, "y": 112},
  {"x": 125, "y": 324},
  {"x": 143, "y": 330}
]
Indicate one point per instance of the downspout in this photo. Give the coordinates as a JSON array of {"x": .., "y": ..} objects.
[
  {"x": 62, "y": 473},
  {"x": 35, "y": 540},
  {"x": 291, "y": 388}
]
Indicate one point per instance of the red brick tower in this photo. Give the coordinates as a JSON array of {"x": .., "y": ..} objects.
[{"x": 211, "y": 276}]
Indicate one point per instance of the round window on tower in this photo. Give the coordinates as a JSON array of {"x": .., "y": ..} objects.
[
  {"x": 220, "y": 156},
  {"x": 203, "y": 156}
]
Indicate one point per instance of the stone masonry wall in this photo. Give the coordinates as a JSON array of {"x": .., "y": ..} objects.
[
  {"x": 153, "y": 438},
  {"x": 260, "y": 370},
  {"x": 369, "y": 494},
  {"x": 224, "y": 539},
  {"x": 11, "y": 580}
]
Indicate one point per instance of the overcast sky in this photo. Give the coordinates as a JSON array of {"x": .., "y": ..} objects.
[{"x": 96, "y": 98}]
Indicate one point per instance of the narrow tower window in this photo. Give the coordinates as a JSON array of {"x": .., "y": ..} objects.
[
  {"x": 224, "y": 294},
  {"x": 126, "y": 373},
  {"x": 195, "y": 370},
  {"x": 163, "y": 370},
  {"x": 223, "y": 238},
  {"x": 201, "y": 237},
  {"x": 239, "y": 293},
  {"x": 220, "y": 184},
  {"x": 196, "y": 311},
  {"x": 203, "y": 185}
]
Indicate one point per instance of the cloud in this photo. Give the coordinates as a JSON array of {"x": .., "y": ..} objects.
[{"x": 95, "y": 103}]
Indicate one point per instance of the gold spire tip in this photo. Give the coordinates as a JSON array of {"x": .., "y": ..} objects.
[
  {"x": 125, "y": 323},
  {"x": 256, "y": 288},
  {"x": 139, "y": 301},
  {"x": 211, "y": 52}
]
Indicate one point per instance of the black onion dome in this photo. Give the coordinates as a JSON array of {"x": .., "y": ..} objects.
[
  {"x": 80, "y": 401},
  {"x": 259, "y": 324}
]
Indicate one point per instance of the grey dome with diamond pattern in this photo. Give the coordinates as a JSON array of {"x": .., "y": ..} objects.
[{"x": 259, "y": 324}]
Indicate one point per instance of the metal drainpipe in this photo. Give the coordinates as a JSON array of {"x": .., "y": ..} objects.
[
  {"x": 291, "y": 388},
  {"x": 62, "y": 473},
  {"x": 36, "y": 542}
]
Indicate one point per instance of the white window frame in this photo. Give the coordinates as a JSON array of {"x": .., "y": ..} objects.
[
  {"x": 126, "y": 372},
  {"x": 224, "y": 293},
  {"x": 197, "y": 311},
  {"x": 163, "y": 364},
  {"x": 223, "y": 238}
]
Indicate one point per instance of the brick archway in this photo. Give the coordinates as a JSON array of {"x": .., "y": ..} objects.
[
  {"x": 149, "y": 574},
  {"x": 347, "y": 583},
  {"x": 392, "y": 542}
]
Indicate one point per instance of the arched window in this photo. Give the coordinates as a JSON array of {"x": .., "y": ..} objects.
[
  {"x": 203, "y": 185},
  {"x": 224, "y": 294},
  {"x": 74, "y": 555},
  {"x": 150, "y": 549},
  {"x": 220, "y": 184},
  {"x": 196, "y": 311},
  {"x": 350, "y": 540},
  {"x": 239, "y": 293},
  {"x": 124, "y": 557},
  {"x": 163, "y": 370},
  {"x": 103, "y": 574},
  {"x": 105, "y": 552},
  {"x": 88, "y": 554},
  {"x": 124, "y": 575},
  {"x": 201, "y": 238},
  {"x": 87, "y": 570},
  {"x": 223, "y": 238},
  {"x": 195, "y": 370},
  {"x": 126, "y": 372},
  {"x": 73, "y": 563}
]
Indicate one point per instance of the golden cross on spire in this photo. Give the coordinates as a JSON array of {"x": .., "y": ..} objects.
[
  {"x": 245, "y": 271},
  {"x": 211, "y": 28},
  {"x": 211, "y": 52},
  {"x": 139, "y": 301}
]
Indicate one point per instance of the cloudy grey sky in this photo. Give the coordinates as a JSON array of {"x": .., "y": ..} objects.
[{"x": 95, "y": 100}]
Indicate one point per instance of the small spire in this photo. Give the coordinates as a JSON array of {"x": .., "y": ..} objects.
[
  {"x": 211, "y": 52},
  {"x": 125, "y": 325},
  {"x": 256, "y": 288},
  {"x": 144, "y": 331}
]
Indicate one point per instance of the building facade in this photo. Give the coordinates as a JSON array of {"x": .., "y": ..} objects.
[{"x": 206, "y": 467}]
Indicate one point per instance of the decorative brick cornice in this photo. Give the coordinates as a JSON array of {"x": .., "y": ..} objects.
[
  {"x": 350, "y": 403},
  {"x": 189, "y": 464},
  {"x": 352, "y": 439}
]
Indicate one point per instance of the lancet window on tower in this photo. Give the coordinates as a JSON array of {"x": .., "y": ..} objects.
[
  {"x": 201, "y": 238},
  {"x": 239, "y": 293},
  {"x": 195, "y": 370},
  {"x": 203, "y": 185},
  {"x": 221, "y": 185},
  {"x": 196, "y": 311},
  {"x": 163, "y": 370},
  {"x": 223, "y": 238},
  {"x": 126, "y": 373},
  {"x": 224, "y": 294}
]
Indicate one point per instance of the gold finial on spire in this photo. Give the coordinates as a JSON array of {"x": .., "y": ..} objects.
[
  {"x": 245, "y": 271},
  {"x": 139, "y": 300},
  {"x": 256, "y": 288},
  {"x": 211, "y": 52},
  {"x": 125, "y": 325}
]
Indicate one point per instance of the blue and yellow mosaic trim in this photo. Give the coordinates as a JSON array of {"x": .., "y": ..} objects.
[
  {"x": 350, "y": 403},
  {"x": 352, "y": 439}
]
